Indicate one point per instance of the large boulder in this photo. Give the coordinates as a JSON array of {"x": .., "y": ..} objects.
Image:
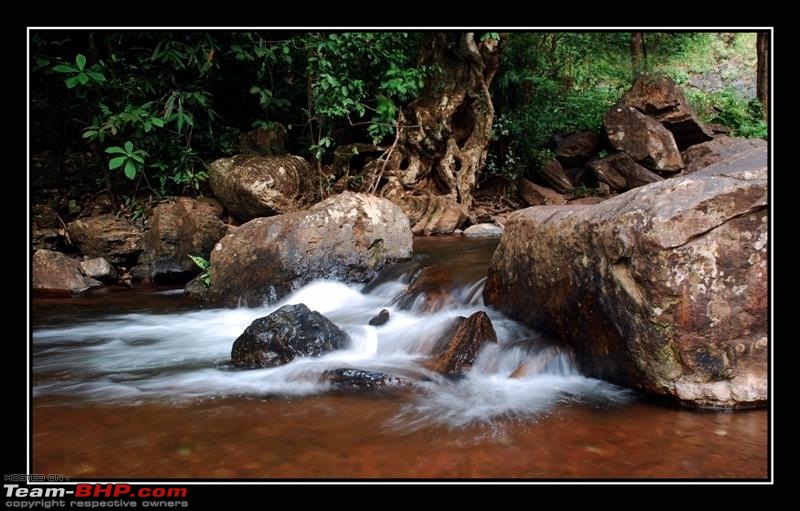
[
  {"x": 703, "y": 155},
  {"x": 56, "y": 275},
  {"x": 661, "y": 98},
  {"x": 289, "y": 332},
  {"x": 177, "y": 230},
  {"x": 257, "y": 186},
  {"x": 642, "y": 138},
  {"x": 663, "y": 287},
  {"x": 347, "y": 237},
  {"x": 109, "y": 236}
]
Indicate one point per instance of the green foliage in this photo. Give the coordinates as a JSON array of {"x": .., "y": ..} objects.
[
  {"x": 551, "y": 83},
  {"x": 131, "y": 160},
  {"x": 81, "y": 76},
  {"x": 745, "y": 118},
  {"x": 204, "y": 265}
]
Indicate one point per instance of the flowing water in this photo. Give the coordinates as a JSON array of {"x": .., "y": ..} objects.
[{"x": 138, "y": 384}]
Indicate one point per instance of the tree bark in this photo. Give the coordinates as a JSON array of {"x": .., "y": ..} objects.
[
  {"x": 637, "y": 53},
  {"x": 443, "y": 134},
  {"x": 762, "y": 72}
]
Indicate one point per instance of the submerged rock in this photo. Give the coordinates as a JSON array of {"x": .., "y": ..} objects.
[
  {"x": 358, "y": 379},
  {"x": 663, "y": 287},
  {"x": 289, "y": 332},
  {"x": 380, "y": 319}
]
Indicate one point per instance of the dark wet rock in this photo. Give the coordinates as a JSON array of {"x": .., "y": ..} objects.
[
  {"x": 108, "y": 236},
  {"x": 483, "y": 231},
  {"x": 358, "y": 379},
  {"x": 464, "y": 343},
  {"x": 98, "y": 268},
  {"x": 289, "y": 332},
  {"x": 576, "y": 148},
  {"x": 662, "y": 99},
  {"x": 663, "y": 288},
  {"x": 348, "y": 237},
  {"x": 56, "y": 275},
  {"x": 703, "y": 155},
  {"x": 176, "y": 230},
  {"x": 380, "y": 319},
  {"x": 258, "y": 186},
  {"x": 642, "y": 138},
  {"x": 536, "y": 195}
]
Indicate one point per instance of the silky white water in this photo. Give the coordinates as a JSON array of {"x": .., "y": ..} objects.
[{"x": 130, "y": 358}]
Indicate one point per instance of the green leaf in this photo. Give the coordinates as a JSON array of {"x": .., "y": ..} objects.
[
  {"x": 71, "y": 82},
  {"x": 137, "y": 158},
  {"x": 201, "y": 262},
  {"x": 129, "y": 147},
  {"x": 115, "y": 150},
  {"x": 83, "y": 78},
  {"x": 80, "y": 60},
  {"x": 89, "y": 133},
  {"x": 130, "y": 169},
  {"x": 62, "y": 68},
  {"x": 98, "y": 77},
  {"x": 157, "y": 122},
  {"x": 116, "y": 162}
]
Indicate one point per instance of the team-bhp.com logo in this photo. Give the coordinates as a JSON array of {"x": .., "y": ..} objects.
[{"x": 86, "y": 490}]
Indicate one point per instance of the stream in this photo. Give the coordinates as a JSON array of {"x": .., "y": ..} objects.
[{"x": 137, "y": 383}]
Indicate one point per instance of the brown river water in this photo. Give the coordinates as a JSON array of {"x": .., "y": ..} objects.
[{"x": 136, "y": 384}]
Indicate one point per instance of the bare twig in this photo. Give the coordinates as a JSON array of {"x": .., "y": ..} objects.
[
  {"x": 377, "y": 180},
  {"x": 63, "y": 227}
]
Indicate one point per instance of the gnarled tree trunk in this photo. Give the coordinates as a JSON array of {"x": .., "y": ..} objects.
[{"x": 443, "y": 134}]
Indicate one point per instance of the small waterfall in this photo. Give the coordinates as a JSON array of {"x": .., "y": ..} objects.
[{"x": 148, "y": 356}]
